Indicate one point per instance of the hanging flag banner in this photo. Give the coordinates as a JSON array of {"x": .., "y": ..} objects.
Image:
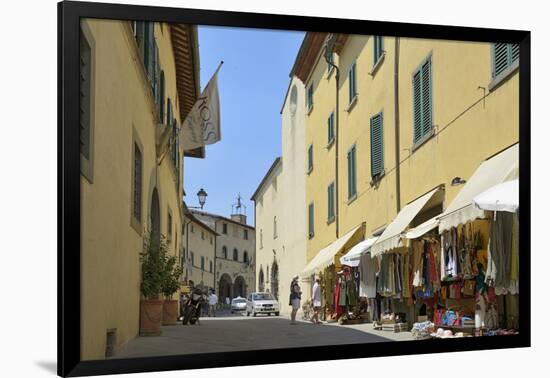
[{"x": 202, "y": 124}]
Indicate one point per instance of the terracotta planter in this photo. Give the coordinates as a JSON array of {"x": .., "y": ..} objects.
[
  {"x": 150, "y": 317},
  {"x": 170, "y": 310}
]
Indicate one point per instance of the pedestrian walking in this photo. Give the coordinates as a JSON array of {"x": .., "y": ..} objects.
[
  {"x": 212, "y": 303},
  {"x": 316, "y": 299},
  {"x": 295, "y": 296}
]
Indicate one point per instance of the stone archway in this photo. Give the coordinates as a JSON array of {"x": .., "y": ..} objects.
[
  {"x": 261, "y": 280},
  {"x": 275, "y": 280},
  {"x": 225, "y": 288},
  {"x": 155, "y": 217},
  {"x": 239, "y": 288}
]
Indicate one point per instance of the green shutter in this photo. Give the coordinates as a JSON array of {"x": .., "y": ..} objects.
[
  {"x": 352, "y": 171},
  {"x": 377, "y": 144},
  {"x": 310, "y": 219},
  {"x": 161, "y": 95},
  {"x": 378, "y": 48},
  {"x": 500, "y": 58},
  {"x": 310, "y": 158},
  {"x": 330, "y": 126},
  {"x": 515, "y": 52},
  {"x": 156, "y": 82},
  {"x": 426, "y": 97},
  {"x": 330, "y": 193},
  {"x": 422, "y": 100},
  {"x": 85, "y": 94},
  {"x": 352, "y": 84},
  {"x": 140, "y": 39}
]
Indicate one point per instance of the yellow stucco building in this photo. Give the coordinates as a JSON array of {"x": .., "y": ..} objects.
[
  {"x": 138, "y": 81},
  {"x": 406, "y": 116}
]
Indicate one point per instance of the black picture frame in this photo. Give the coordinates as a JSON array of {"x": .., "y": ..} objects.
[{"x": 69, "y": 15}]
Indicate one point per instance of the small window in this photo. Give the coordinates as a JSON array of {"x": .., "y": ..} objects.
[
  {"x": 210, "y": 266},
  {"x": 224, "y": 252},
  {"x": 192, "y": 229},
  {"x": 245, "y": 257},
  {"x": 422, "y": 101},
  {"x": 224, "y": 226},
  {"x": 202, "y": 262},
  {"x": 377, "y": 144},
  {"x": 352, "y": 174},
  {"x": 309, "y": 98},
  {"x": 274, "y": 227},
  {"x": 235, "y": 254},
  {"x": 211, "y": 240},
  {"x": 183, "y": 228},
  {"x": 311, "y": 224},
  {"x": 202, "y": 235},
  {"x": 330, "y": 200},
  {"x": 192, "y": 258},
  {"x": 352, "y": 83},
  {"x": 310, "y": 158},
  {"x": 330, "y": 128},
  {"x": 378, "y": 48},
  {"x": 245, "y": 234}
]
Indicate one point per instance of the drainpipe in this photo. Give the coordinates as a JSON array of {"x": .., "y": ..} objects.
[
  {"x": 396, "y": 106},
  {"x": 328, "y": 53}
]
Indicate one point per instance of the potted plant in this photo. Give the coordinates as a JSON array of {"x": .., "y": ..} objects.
[
  {"x": 153, "y": 262},
  {"x": 170, "y": 284}
]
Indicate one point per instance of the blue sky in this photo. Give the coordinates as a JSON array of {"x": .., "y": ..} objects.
[{"x": 252, "y": 83}]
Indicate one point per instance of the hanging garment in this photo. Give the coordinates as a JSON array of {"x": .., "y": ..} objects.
[
  {"x": 351, "y": 293},
  {"x": 417, "y": 249},
  {"x": 343, "y": 293},
  {"x": 367, "y": 268},
  {"x": 406, "y": 276}
]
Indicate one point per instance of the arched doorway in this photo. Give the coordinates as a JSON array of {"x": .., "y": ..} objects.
[
  {"x": 239, "y": 288},
  {"x": 225, "y": 288},
  {"x": 275, "y": 280},
  {"x": 155, "y": 217},
  {"x": 261, "y": 280}
]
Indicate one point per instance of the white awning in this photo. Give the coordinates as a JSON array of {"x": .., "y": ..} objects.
[
  {"x": 499, "y": 168},
  {"x": 501, "y": 197},
  {"x": 353, "y": 257},
  {"x": 325, "y": 257},
  {"x": 420, "y": 230},
  {"x": 391, "y": 237}
]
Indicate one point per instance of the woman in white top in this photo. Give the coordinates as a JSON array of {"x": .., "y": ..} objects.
[{"x": 316, "y": 299}]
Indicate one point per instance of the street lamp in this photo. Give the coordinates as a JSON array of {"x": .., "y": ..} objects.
[{"x": 202, "y": 199}]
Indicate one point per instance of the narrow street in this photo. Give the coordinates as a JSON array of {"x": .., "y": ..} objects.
[{"x": 232, "y": 332}]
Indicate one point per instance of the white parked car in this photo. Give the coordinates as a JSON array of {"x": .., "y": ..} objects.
[
  {"x": 238, "y": 304},
  {"x": 261, "y": 303}
]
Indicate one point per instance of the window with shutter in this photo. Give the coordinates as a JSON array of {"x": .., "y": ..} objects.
[
  {"x": 156, "y": 75},
  {"x": 422, "y": 101},
  {"x": 202, "y": 262},
  {"x": 330, "y": 127},
  {"x": 352, "y": 83},
  {"x": 140, "y": 39},
  {"x": 311, "y": 224},
  {"x": 330, "y": 193},
  {"x": 85, "y": 95},
  {"x": 161, "y": 99},
  {"x": 378, "y": 48},
  {"x": 377, "y": 144},
  {"x": 310, "y": 158},
  {"x": 503, "y": 55},
  {"x": 352, "y": 174},
  {"x": 309, "y": 102}
]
